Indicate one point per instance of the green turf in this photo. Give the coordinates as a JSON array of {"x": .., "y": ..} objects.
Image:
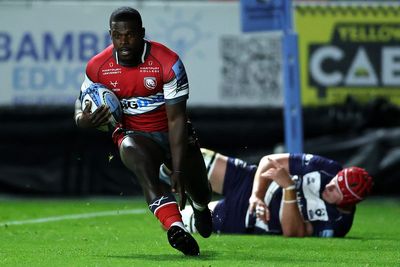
[{"x": 138, "y": 240}]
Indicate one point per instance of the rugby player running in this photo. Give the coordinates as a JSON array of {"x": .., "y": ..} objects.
[{"x": 151, "y": 83}]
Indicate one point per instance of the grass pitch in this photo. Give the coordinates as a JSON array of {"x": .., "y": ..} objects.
[{"x": 122, "y": 232}]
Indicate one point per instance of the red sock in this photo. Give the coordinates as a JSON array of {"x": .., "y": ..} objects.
[{"x": 166, "y": 210}]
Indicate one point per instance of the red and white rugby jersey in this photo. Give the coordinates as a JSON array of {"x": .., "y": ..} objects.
[{"x": 144, "y": 89}]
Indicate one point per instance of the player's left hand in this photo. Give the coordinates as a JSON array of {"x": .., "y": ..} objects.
[{"x": 178, "y": 187}]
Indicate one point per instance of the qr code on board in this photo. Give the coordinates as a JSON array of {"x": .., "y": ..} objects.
[{"x": 252, "y": 69}]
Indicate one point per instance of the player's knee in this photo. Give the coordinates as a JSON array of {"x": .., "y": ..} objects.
[
  {"x": 127, "y": 147},
  {"x": 130, "y": 157}
]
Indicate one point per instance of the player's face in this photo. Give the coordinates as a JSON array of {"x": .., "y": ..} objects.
[
  {"x": 331, "y": 193},
  {"x": 127, "y": 38}
]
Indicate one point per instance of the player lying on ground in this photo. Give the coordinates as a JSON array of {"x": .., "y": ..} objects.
[{"x": 295, "y": 195}]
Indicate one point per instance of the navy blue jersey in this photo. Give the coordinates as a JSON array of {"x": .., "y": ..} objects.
[{"x": 311, "y": 173}]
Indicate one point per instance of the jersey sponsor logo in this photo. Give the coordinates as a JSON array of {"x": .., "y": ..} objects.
[
  {"x": 316, "y": 208},
  {"x": 316, "y": 213},
  {"x": 309, "y": 180},
  {"x": 111, "y": 71},
  {"x": 114, "y": 84},
  {"x": 149, "y": 69},
  {"x": 150, "y": 82},
  {"x": 307, "y": 159},
  {"x": 140, "y": 105}
]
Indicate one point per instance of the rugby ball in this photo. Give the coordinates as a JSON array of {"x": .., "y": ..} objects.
[{"x": 99, "y": 94}]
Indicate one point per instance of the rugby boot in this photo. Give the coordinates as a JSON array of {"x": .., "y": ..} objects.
[
  {"x": 202, "y": 220},
  {"x": 181, "y": 240}
]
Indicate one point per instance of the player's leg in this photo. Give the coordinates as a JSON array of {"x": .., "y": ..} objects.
[
  {"x": 188, "y": 216},
  {"x": 143, "y": 156},
  {"x": 197, "y": 186},
  {"x": 216, "y": 164}
]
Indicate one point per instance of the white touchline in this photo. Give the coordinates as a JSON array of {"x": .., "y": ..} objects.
[{"x": 75, "y": 217}]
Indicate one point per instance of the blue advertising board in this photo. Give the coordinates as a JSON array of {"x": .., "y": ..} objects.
[{"x": 265, "y": 15}]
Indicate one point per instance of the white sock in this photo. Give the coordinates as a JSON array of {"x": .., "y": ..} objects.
[{"x": 180, "y": 224}]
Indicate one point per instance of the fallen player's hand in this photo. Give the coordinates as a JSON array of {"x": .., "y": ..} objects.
[{"x": 258, "y": 206}]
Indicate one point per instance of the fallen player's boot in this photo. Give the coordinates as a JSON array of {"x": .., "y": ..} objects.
[
  {"x": 202, "y": 220},
  {"x": 181, "y": 240}
]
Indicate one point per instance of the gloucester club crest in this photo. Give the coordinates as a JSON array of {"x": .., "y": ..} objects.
[{"x": 150, "y": 82}]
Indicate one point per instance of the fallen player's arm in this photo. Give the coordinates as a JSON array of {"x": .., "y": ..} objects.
[
  {"x": 260, "y": 185},
  {"x": 292, "y": 222}
]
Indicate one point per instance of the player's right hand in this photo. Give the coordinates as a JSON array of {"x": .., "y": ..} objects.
[
  {"x": 258, "y": 206},
  {"x": 178, "y": 187},
  {"x": 99, "y": 117}
]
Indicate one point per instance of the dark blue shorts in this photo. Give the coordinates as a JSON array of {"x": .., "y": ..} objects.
[{"x": 230, "y": 213}]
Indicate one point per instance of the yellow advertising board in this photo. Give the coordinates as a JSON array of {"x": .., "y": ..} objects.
[{"x": 348, "y": 50}]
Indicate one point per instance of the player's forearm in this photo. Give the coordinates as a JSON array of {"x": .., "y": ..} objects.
[
  {"x": 178, "y": 149},
  {"x": 292, "y": 222},
  {"x": 260, "y": 184},
  {"x": 178, "y": 141}
]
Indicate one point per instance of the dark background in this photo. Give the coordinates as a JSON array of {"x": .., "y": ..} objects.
[{"x": 43, "y": 153}]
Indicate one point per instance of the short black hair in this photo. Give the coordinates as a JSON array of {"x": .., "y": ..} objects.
[{"x": 126, "y": 14}]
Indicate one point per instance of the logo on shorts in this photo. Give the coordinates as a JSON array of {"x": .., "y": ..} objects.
[{"x": 150, "y": 82}]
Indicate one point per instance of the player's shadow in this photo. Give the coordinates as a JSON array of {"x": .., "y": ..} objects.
[{"x": 205, "y": 255}]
